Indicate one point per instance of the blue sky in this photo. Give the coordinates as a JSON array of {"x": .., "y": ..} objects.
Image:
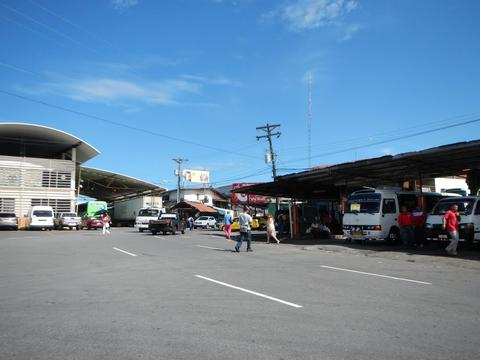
[{"x": 194, "y": 78}]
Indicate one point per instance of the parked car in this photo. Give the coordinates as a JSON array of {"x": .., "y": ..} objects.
[
  {"x": 91, "y": 222},
  {"x": 236, "y": 225},
  {"x": 8, "y": 221},
  {"x": 40, "y": 217},
  {"x": 67, "y": 219},
  {"x": 262, "y": 223},
  {"x": 204, "y": 222}
]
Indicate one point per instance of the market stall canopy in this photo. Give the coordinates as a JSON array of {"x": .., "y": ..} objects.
[
  {"x": 447, "y": 160},
  {"x": 30, "y": 140},
  {"x": 201, "y": 208},
  {"x": 109, "y": 186}
]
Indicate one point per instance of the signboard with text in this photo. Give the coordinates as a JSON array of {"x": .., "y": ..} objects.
[{"x": 252, "y": 199}]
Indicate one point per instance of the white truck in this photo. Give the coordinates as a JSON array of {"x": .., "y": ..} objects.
[
  {"x": 372, "y": 214},
  {"x": 126, "y": 211},
  {"x": 145, "y": 215}
]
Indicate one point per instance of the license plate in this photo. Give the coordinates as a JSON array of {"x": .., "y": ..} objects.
[
  {"x": 356, "y": 233},
  {"x": 442, "y": 236}
]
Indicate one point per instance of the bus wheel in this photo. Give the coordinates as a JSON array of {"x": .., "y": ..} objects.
[{"x": 393, "y": 236}]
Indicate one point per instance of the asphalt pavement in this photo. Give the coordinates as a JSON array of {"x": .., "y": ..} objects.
[{"x": 81, "y": 295}]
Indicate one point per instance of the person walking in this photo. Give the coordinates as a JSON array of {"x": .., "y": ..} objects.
[
  {"x": 271, "y": 233},
  {"x": 405, "y": 220},
  {"x": 106, "y": 224},
  {"x": 245, "y": 221},
  {"x": 450, "y": 223},
  {"x": 227, "y": 225},
  {"x": 190, "y": 223}
]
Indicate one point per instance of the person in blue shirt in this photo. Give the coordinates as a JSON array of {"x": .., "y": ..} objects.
[{"x": 227, "y": 222}]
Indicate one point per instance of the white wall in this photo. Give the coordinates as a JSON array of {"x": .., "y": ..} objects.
[{"x": 24, "y": 179}]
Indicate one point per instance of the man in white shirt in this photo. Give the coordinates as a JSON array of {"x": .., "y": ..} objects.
[{"x": 245, "y": 230}]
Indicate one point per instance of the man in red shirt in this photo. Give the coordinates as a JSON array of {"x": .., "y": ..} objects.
[
  {"x": 450, "y": 223},
  {"x": 405, "y": 220}
]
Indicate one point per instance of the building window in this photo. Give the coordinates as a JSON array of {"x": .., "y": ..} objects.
[
  {"x": 9, "y": 177},
  {"x": 58, "y": 205},
  {"x": 56, "y": 179},
  {"x": 7, "y": 205}
]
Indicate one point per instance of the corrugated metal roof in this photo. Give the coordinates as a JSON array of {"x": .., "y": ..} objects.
[
  {"x": 109, "y": 186},
  {"x": 446, "y": 160}
]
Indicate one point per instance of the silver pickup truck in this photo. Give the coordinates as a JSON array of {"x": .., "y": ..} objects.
[{"x": 67, "y": 219}]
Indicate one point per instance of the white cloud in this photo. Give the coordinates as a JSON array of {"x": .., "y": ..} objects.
[
  {"x": 350, "y": 30},
  {"x": 386, "y": 151},
  {"x": 112, "y": 91},
  {"x": 121, "y": 5},
  {"x": 311, "y": 14},
  {"x": 184, "y": 90}
]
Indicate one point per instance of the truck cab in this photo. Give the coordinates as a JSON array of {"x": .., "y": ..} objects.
[{"x": 145, "y": 215}]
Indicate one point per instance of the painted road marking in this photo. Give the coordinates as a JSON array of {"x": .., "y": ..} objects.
[
  {"x": 125, "y": 252},
  {"x": 250, "y": 292},
  {"x": 209, "y": 247},
  {"x": 159, "y": 237},
  {"x": 373, "y": 274}
]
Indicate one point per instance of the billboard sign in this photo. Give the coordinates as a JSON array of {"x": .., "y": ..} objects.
[
  {"x": 252, "y": 199},
  {"x": 196, "y": 176}
]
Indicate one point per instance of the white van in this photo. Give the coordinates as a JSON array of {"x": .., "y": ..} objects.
[
  {"x": 40, "y": 217},
  {"x": 469, "y": 224},
  {"x": 145, "y": 215},
  {"x": 372, "y": 214}
]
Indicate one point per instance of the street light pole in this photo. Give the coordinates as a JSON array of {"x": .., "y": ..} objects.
[{"x": 179, "y": 161}]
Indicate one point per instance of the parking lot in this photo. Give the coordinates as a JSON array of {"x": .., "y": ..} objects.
[{"x": 81, "y": 295}]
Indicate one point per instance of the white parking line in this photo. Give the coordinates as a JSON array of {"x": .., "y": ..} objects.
[
  {"x": 209, "y": 247},
  {"x": 159, "y": 237},
  {"x": 125, "y": 252},
  {"x": 373, "y": 274},
  {"x": 250, "y": 292}
]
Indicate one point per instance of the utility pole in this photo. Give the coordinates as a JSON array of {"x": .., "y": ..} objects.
[
  {"x": 178, "y": 172},
  {"x": 268, "y": 129},
  {"x": 309, "y": 119}
]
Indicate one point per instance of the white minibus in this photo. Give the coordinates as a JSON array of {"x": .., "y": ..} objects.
[{"x": 372, "y": 214}]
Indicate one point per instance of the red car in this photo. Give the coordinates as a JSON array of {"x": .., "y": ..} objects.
[{"x": 91, "y": 223}]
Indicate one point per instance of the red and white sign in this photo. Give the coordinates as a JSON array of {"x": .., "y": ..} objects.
[{"x": 239, "y": 198}]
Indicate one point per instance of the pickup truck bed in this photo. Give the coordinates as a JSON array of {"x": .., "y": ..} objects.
[{"x": 167, "y": 223}]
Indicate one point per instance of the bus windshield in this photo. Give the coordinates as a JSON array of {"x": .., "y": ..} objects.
[{"x": 363, "y": 203}]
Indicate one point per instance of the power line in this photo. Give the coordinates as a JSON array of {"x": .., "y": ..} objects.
[
  {"x": 389, "y": 132},
  {"x": 18, "y": 12},
  {"x": 78, "y": 27},
  {"x": 388, "y": 140},
  {"x": 111, "y": 122},
  {"x": 256, "y": 173}
]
